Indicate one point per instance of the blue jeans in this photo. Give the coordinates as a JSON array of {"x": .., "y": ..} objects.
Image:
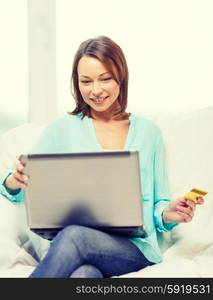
[{"x": 83, "y": 252}]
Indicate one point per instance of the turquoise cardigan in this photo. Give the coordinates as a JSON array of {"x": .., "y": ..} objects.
[{"x": 70, "y": 133}]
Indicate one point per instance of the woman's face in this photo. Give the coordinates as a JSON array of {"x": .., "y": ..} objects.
[{"x": 97, "y": 85}]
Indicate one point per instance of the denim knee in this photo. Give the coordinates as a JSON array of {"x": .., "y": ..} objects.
[
  {"x": 69, "y": 235},
  {"x": 69, "y": 231}
]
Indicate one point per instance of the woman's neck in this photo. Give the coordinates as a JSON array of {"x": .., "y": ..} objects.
[{"x": 107, "y": 117}]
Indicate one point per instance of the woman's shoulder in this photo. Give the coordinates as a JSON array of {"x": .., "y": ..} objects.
[
  {"x": 145, "y": 123},
  {"x": 56, "y": 133},
  {"x": 63, "y": 120}
]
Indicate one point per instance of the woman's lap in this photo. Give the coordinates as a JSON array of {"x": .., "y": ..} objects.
[{"x": 76, "y": 245}]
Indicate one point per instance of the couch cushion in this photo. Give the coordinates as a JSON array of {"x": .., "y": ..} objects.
[{"x": 16, "y": 141}]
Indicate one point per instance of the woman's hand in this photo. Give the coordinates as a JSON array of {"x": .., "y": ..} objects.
[
  {"x": 180, "y": 210},
  {"x": 17, "y": 180}
]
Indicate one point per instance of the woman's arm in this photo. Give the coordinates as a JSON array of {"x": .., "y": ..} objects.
[
  {"x": 14, "y": 181},
  {"x": 17, "y": 179},
  {"x": 161, "y": 187},
  {"x": 168, "y": 213},
  {"x": 180, "y": 210},
  {"x": 10, "y": 192}
]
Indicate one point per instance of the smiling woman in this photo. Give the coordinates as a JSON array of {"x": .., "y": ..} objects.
[
  {"x": 99, "y": 123},
  {"x": 100, "y": 77},
  {"x": 100, "y": 90}
]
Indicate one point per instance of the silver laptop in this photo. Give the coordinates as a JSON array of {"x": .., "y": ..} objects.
[{"x": 101, "y": 190}]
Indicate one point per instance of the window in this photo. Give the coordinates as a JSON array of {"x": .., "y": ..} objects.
[{"x": 14, "y": 64}]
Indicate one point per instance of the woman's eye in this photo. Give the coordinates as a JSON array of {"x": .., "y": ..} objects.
[
  {"x": 106, "y": 79},
  {"x": 85, "y": 81}
]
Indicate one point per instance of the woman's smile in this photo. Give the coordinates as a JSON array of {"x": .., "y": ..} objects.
[{"x": 99, "y": 100}]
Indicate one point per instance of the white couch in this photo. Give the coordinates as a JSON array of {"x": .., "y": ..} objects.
[{"x": 187, "y": 250}]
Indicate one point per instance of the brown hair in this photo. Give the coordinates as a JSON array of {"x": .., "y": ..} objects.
[{"x": 111, "y": 55}]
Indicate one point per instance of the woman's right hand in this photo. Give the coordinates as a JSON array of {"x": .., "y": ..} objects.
[{"x": 18, "y": 179}]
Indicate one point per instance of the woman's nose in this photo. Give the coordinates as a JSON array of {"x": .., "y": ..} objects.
[{"x": 96, "y": 89}]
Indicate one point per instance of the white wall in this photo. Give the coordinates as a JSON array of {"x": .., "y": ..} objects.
[
  {"x": 42, "y": 60},
  {"x": 13, "y": 63},
  {"x": 168, "y": 45}
]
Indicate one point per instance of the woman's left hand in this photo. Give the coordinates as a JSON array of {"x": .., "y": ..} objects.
[{"x": 180, "y": 210}]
